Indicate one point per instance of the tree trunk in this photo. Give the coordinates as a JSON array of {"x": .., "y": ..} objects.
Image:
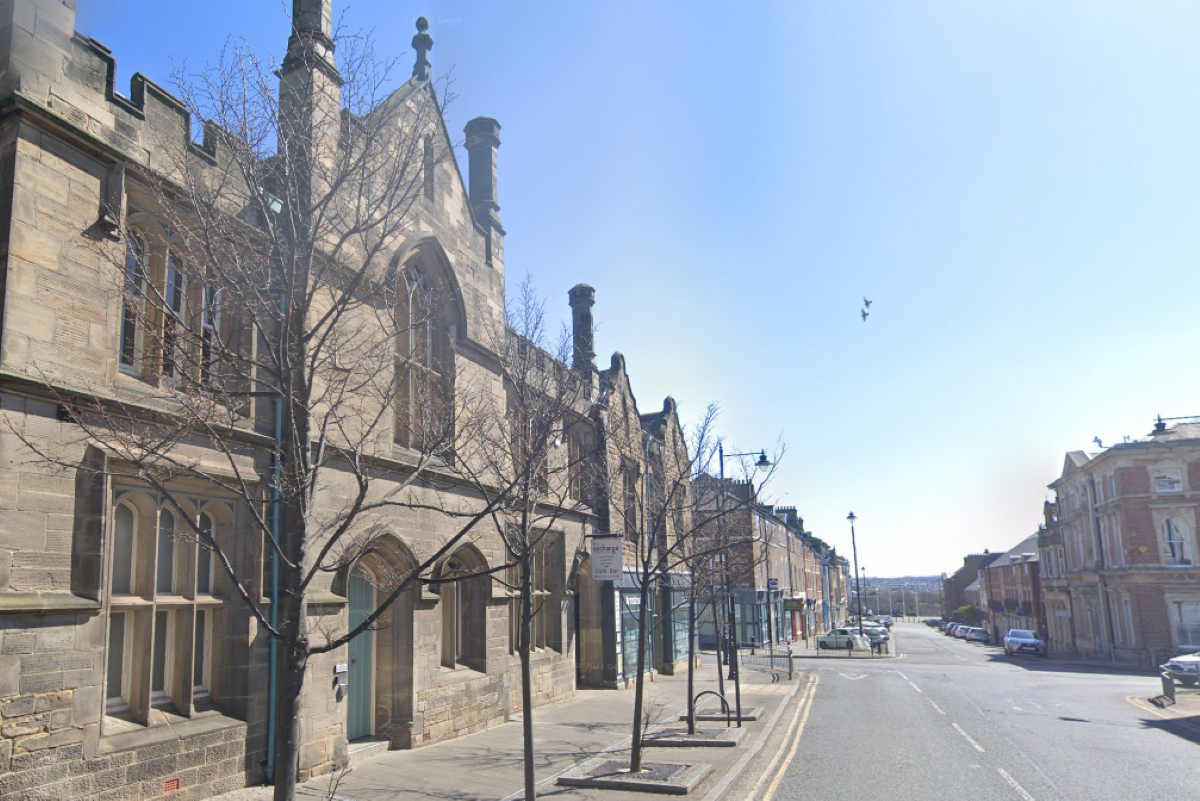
[
  {"x": 287, "y": 718},
  {"x": 524, "y": 645},
  {"x": 691, "y": 704},
  {"x": 635, "y": 752}
]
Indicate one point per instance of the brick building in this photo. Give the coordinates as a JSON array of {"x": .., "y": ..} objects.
[
  {"x": 784, "y": 582},
  {"x": 1118, "y": 551},
  {"x": 1010, "y": 590},
  {"x": 954, "y": 585}
]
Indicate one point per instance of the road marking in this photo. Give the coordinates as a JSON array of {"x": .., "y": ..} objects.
[
  {"x": 915, "y": 687},
  {"x": 853, "y": 678},
  {"x": 938, "y": 708},
  {"x": 970, "y": 739},
  {"x": 903, "y": 676},
  {"x": 805, "y": 706},
  {"x": 1013, "y": 783}
]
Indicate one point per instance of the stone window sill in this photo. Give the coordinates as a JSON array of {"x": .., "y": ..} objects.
[
  {"x": 143, "y": 736},
  {"x": 456, "y": 675}
]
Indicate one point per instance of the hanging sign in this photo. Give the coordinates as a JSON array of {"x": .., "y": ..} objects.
[{"x": 606, "y": 558}]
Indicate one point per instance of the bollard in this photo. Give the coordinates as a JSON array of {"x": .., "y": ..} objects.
[
  {"x": 791, "y": 662},
  {"x": 1168, "y": 686}
]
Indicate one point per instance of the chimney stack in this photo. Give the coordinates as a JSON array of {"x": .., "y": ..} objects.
[
  {"x": 583, "y": 297},
  {"x": 483, "y": 138}
]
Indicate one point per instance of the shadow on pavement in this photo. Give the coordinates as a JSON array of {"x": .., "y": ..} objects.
[
  {"x": 1188, "y": 728},
  {"x": 1038, "y": 664}
]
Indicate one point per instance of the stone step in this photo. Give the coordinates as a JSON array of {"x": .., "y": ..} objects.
[{"x": 367, "y": 748}]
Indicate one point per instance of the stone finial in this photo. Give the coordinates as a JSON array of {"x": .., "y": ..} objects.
[{"x": 422, "y": 43}]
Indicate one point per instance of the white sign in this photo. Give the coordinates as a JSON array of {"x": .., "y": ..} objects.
[
  {"x": 606, "y": 558},
  {"x": 1062, "y": 613}
]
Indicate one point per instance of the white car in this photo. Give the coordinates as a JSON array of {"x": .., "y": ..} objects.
[
  {"x": 845, "y": 639},
  {"x": 1184, "y": 669}
]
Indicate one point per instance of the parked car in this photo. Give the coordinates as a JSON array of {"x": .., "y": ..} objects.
[
  {"x": 951, "y": 628},
  {"x": 876, "y": 634},
  {"x": 976, "y": 634},
  {"x": 1024, "y": 641},
  {"x": 961, "y": 632},
  {"x": 844, "y": 639},
  {"x": 887, "y": 620},
  {"x": 1184, "y": 669}
]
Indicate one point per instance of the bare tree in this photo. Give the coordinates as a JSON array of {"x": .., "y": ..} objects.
[
  {"x": 677, "y": 519},
  {"x": 541, "y": 447},
  {"x": 289, "y": 360}
]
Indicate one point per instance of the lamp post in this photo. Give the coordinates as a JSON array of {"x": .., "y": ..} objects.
[
  {"x": 762, "y": 464},
  {"x": 857, "y": 586}
]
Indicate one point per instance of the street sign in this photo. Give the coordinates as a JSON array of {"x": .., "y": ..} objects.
[
  {"x": 772, "y": 584},
  {"x": 606, "y": 558},
  {"x": 793, "y": 604}
]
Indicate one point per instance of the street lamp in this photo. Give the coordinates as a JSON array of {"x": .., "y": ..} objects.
[
  {"x": 857, "y": 586},
  {"x": 762, "y": 464}
]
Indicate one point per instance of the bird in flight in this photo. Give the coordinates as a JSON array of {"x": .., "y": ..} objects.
[
  {"x": 865, "y": 314},
  {"x": 866, "y": 303}
]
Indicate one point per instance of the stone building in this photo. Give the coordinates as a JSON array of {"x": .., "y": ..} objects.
[
  {"x": 1118, "y": 552},
  {"x": 130, "y": 664}
]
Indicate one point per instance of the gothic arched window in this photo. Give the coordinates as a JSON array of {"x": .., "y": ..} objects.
[{"x": 424, "y": 363}]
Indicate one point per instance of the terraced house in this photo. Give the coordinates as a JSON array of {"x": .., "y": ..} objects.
[{"x": 267, "y": 429}]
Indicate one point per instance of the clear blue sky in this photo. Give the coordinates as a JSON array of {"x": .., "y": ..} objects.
[{"x": 1015, "y": 185}]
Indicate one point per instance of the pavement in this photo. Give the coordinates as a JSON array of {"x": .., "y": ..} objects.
[
  {"x": 489, "y": 765},
  {"x": 936, "y": 719}
]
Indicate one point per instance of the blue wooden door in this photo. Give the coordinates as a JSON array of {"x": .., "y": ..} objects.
[{"x": 361, "y": 596}]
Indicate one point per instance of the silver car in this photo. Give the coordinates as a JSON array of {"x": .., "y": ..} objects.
[{"x": 1024, "y": 641}]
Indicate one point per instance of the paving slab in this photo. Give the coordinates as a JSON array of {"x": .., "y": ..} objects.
[{"x": 593, "y": 724}]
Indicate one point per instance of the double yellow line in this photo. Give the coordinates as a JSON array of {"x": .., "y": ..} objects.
[{"x": 795, "y": 729}]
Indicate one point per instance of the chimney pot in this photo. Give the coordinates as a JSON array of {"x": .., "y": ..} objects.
[
  {"x": 582, "y": 298},
  {"x": 483, "y": 139}
]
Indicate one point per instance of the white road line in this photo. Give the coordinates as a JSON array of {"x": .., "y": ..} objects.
[
  {"x": 1013, "y": 783},
  {"x": 938, "y": 708},
  {"x": 915, "y": 687},
  {"x": 903, "y": 676},
  {"x": 970, "y": 739}
]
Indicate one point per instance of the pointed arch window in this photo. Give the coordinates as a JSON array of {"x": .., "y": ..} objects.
[
  {"x": 424, "y": 364},
  {"x": 164, "y": 583},
  {"x": 204, "y": 557},
  {"x": 124, "y": 548}
]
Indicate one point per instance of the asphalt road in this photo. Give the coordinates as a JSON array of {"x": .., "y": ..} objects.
[{"x": 953, "y": 720}]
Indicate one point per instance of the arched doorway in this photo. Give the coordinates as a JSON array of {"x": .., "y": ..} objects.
[{"x": 360, "y": 701}]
